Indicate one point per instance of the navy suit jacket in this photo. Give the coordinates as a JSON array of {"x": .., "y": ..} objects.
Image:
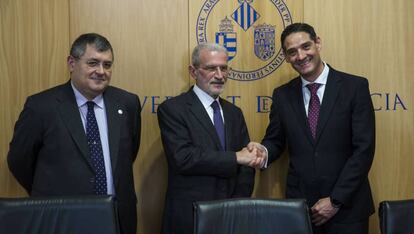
[
  {"x": 198, "y": 169},
  {"x": 337, "y": 162},
  {"x": 49, "y": 152}
]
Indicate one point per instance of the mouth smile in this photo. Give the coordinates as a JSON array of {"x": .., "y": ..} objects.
[{"x": 304, "y": 62}]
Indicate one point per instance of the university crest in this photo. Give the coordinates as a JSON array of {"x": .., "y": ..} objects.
[
  {"x": 248, "y": 29},
  {"x": 227, "y": 37},
  {"x": 264, "y": 41}
]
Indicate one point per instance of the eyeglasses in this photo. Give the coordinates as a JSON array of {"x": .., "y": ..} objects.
[
  {"x": 94, "y": 63},
  {"x": 215, "y": 69}
]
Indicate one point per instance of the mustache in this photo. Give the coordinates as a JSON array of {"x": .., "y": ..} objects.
[
  {"x": 98, "y": 78},
  {"x": 218, "y": 82}
]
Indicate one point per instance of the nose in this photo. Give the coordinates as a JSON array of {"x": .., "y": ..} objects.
[
  {"x": 301, "y": 54},
  {"x": 100, "y": 69},
  {"x": 219, "y": 73}
]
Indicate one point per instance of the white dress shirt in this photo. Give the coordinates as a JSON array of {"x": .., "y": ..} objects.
[
  {"x": 322, "y": 78},
  {"x": 207, "y": 100}
]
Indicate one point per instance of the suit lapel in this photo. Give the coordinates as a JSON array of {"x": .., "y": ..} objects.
[
  {"x": 70, "y": 115},
  {"x": 299, "y": 107},
  {"x": 197, "y": 109},
  {"x": 329, "y": 98},
  {"x": 114, "y": 113}
]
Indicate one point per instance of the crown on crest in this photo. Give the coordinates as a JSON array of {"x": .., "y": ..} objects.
[
  {"x": 226, "y": 25},
  {"x": 265, "y": 27}
]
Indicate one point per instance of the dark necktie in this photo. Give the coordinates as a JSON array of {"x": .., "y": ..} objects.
[
  {"x": 313, "y": 108},
  {"x": 218, "y": 123},
  {"x": 95, "y": 150}
]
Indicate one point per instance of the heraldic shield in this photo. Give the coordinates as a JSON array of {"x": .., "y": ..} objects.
[
  {"x": 228, "y": 40},
  {"x": 264, "y": 41}
]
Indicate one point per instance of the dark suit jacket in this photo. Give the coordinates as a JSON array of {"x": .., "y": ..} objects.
[
  {"x": 197, "y": 169},
  {"x": 49, "y": 152},
  {"x": 337, "y": 163}
]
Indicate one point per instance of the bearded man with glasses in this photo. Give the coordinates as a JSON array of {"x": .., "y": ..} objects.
[{"x": 204, "y": 138}]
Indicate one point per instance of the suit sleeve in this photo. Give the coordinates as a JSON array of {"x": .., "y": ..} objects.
[
  {"x": 136, "y": 126},
  {"x": 274, "y": 139},
  {"x": 358, "y": 165},
  {"x": 245, "y": 174},
  {"x": 25, "y": 145},
  {"x": 183, "y": 155}
]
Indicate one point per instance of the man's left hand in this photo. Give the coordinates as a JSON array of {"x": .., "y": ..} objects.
[{"x": 322, "y": 211}]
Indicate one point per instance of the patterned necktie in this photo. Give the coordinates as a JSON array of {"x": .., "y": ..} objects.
[
  {"x": 313, "y": 108},
  {"x": 218, "y": 124},
  {"x": 95, "y": 150}
]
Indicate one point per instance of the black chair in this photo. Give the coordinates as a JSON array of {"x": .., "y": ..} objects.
[
  {"x": 58, "y": 215},
  {"x": 252, "y": 216},
  {"x": 397, "y": 217}
]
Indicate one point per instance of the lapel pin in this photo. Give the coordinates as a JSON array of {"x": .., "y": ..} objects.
[{"x": 120, "y": 112}]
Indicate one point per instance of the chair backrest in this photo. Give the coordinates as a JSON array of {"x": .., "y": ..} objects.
[
  {"x": 397, "y": 217},
  {"x": 59, "y": 215},
  {"x": 252, "y": 216}
]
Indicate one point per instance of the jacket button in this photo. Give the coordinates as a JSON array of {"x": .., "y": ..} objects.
[{"x": 92, "y": 180}]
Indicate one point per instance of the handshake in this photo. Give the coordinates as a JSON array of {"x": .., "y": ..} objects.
[{"x": 253, "y": 155}]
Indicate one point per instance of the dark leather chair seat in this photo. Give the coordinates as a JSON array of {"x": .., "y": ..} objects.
[
  {"x": 58, "y": 215},
  {"x": 397, "y": 217},
  {"x": 252, "y": 216}
]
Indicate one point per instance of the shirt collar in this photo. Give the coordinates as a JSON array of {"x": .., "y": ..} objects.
[
  {"x": 322, "y": 78},
  {"x": 205, "y": 99},
  {"x": 81, "y": 100}
]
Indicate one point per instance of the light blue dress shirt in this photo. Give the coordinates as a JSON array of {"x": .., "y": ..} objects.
[{"x": 101, "y": 119}]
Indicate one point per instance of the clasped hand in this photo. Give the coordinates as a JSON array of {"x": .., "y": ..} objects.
[{"x": 253, "y": 155}]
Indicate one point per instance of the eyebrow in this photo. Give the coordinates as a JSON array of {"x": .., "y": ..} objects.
[
  {"x": 214, "y": 66},
  {"x": 98, "y": 60},
  {"x": 301, "y": 45}
]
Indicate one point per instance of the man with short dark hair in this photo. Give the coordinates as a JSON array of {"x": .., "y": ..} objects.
[
  {"x": 81, "y": 137},
  {"x": 204, "y": 138},
  {"x": 326, "y": 120}
]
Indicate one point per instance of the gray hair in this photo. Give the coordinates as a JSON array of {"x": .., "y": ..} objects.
[{"x": 195, "y": 56}]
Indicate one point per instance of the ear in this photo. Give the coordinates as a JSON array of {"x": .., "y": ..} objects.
[
  {"x": 318, "y": 43},
  {"x": 71, "y": 62},
  {"x": 193, "y": 71}
]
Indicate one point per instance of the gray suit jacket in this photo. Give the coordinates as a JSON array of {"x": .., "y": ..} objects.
[{"x": 49, "y": 153}]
